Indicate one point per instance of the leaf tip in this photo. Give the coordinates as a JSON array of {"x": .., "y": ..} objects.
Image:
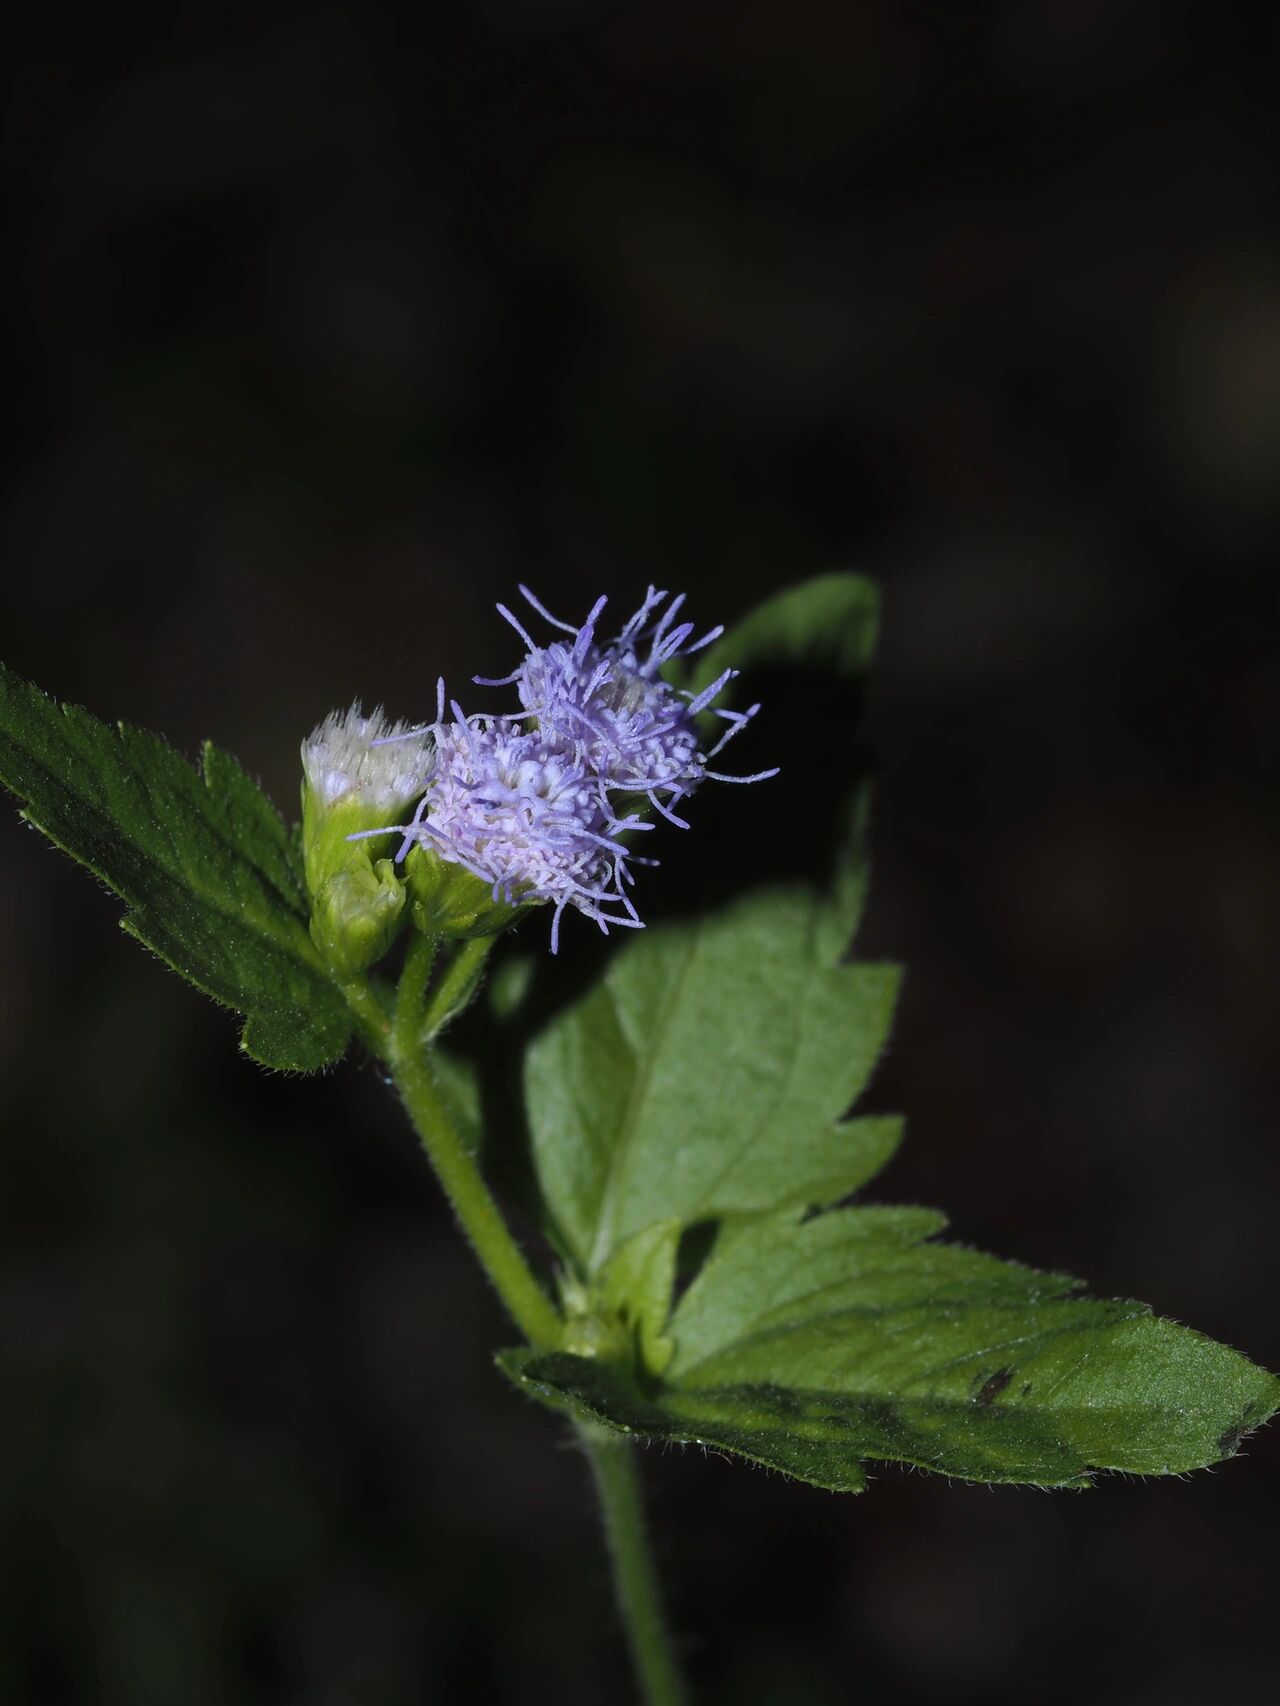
[{"x": 1255, "y": 1415}]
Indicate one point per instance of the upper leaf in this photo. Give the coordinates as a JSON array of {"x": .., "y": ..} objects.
[
  {"x": 818, "y": 640},
  {"x": 827, "y": 623},
  {"x": 707, "y": 1075},
  {"x": 812, "y": 1346},
  {"x": 710, "y": 1070},
  {"x": 203, "y": 861}
]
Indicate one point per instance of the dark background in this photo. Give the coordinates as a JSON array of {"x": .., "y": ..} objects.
[{"x": 328, "y": 329}]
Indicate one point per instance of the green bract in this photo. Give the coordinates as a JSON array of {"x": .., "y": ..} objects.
[
  {"x": 360, "y": 774},
  {"x": 356, "y": 913},
  {"x": 450, "y": 901}
]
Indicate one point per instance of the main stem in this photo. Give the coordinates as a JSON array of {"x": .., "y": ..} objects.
[
  {"x": 402, "y": 1040},
  {"x": 501, "y": 1257},
  {"x": 635, "y": 1580}
]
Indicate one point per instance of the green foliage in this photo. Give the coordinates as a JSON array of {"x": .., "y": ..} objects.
[
  {"x": 356, "y": 913},
  {"x": 706, "y": 1075},
  {"x": 706, "y": 1079},
  {"x": 636, "y": 1285},
  {"x": 205, "y": 865},
  {"x": 828, "y": 623},
  {"x": 823, "y": 630},
  {"x": 813, "y": 1345},
  {"x": 691, "y": 1114}
]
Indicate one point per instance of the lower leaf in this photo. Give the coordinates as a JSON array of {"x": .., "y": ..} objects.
[{"x": 818, "y": 1345}]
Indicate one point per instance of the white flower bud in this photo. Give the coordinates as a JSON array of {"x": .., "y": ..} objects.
[{"x": 383, "y": 765}]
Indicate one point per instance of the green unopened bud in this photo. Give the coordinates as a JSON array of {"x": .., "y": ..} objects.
[
  {"x": 449, "y": 900},
  {"x": 590, "y": 1331},
  {"x": 621, "y": 1314},
  {"x": 359, "y": 774},
  {"x": 357, "y": 913}
]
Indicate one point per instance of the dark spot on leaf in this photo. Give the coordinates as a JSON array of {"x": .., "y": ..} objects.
[
  {"x": 1026, "y": 1388},
  {"x": 994, "y": 1385},
  {"x": 1229, "y": 1441}
]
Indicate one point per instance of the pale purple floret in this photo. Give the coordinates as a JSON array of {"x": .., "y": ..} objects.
[
  {"x": 528, "y": 818},
  {"x": 609, "y": 704},
  {"x": 522, "y": 799}
]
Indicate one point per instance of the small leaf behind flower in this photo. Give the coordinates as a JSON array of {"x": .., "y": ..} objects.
[
  {"x": 204, "y": 863},
  {"x": 828, "y": 623},
  {"x": 814, "y": 1346}
]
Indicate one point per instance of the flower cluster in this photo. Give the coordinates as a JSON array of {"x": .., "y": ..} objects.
[
  {"x": 523, "y": 815},
  {"x": 612, "y": 707},
  {"x": 525, "y": 800}
]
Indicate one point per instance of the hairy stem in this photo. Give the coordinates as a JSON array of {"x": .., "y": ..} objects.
[
  {"x": 457, "y": 985},
  {"x": 635, "y": 1579},
  {"x": 479, "y": 1216},
  {"x": 401, "y": 1040},
  {"x": 371, "y": 1014}
]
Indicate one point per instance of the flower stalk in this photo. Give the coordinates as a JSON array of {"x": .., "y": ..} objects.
[
  {"x": 401, "y": 1036},
  {"x": 410, "y": 1063}
]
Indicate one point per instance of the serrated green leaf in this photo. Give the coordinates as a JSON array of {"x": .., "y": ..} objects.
[
  {"x": 764, "y": 1273},
  {"x": 707, "y": 1075},
  {"x": 602, "y": 1392},
  {"x": 814, "y": 1346},
  {"x": 202, "y": 860}
]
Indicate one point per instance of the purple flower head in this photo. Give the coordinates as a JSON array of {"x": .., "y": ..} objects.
[
  {"x": 521, "y": 799},
  {"x": 608, "y": 703},
  {"x": 529, "y": 818}
]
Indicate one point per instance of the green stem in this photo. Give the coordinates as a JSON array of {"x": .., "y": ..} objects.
[
  {"x": 411, "y": 991},
  {"x": 402, "y": 1041},
  {"x": 635, "y": 1579},
  {"x": 478, "y": 1214},
  {"x": 370, "y": 1012},
  {"x": 457, "y": 985}
]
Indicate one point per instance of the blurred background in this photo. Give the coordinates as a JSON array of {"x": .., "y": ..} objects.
[{"x": 328, "y": 328}]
